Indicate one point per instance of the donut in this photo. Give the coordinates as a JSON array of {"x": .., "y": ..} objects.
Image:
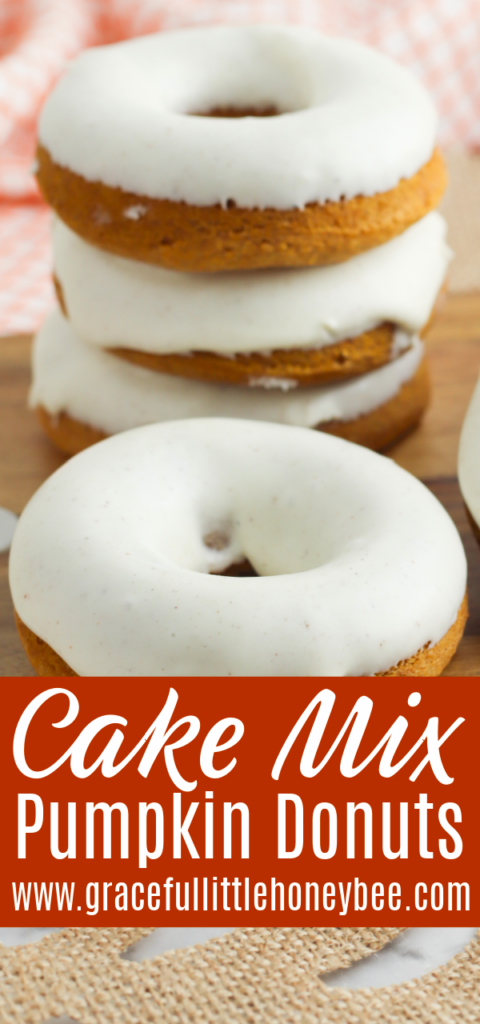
[
  {"x": 83, "y": 394},
  {"x": 307, "y": 326},
  {"x": 468, "y": 462},
  {"x": 117, "y": 562},
  {"x": 318, "y": 148}
]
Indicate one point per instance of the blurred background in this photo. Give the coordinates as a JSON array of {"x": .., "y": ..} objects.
[{"x": 439, "y": 40}]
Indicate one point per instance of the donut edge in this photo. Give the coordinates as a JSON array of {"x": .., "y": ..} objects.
[
  {"x": 390, "y": 421},
  {"x": 377, "y": 429},
  {"x": 191, "y": 238},
  {"x": 429, "y": 661}
]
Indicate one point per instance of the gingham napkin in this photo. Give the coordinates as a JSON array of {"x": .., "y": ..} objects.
[{"x": 439, "y": 40}]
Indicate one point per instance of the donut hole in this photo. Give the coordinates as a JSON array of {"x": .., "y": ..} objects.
[
  {"x": 268, "y": 110},
  {"x": 224, "y": 558},
  {"x": 217, "y": 540},
  {"x": 253, "y": 531},
  {"x": 220, "y": 540},
  {"x": 238, "y": 569},
  {"x": 221, "y": 550},
  {"x": 246, "y": 507},
  {"x": 236, "y": 76}
]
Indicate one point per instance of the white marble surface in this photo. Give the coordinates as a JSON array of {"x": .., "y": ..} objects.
[
  {"x": 22, "y": 936},
  {"x": 411, "y": 955},
  {"x": 61, "y": 1020},
  {"x": 164, "y": 939},
  {"x": 414, "y": 953}
]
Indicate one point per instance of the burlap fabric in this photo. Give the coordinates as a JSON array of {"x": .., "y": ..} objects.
[{"x": 252, "y": 975}]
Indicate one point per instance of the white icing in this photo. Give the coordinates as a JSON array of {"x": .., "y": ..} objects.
[
  {"x": 112, "y": 301},
  {"x": 469, "y": 456},
  {"x": 359, "y": 565},
  {"x": 112, "y": 394},
  {"x": 353, "y": 121}
]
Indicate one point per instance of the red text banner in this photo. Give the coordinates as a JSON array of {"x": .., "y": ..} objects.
[{"x": 239, "y": 802}]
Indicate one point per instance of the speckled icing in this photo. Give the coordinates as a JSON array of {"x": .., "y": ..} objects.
[
  {"x": 113, "y": 301},
  {"x": 359, "y": 564},
  {"x": 108, "y": 393},
  {"x": 353, "y": 122},
  {"x": 469, "y": 456}
]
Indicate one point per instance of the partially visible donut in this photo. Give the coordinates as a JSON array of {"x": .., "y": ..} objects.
[
  {"x": 345, "y": 162},
  {"x": 308, "y": 326},
  {"x": 469, "y": 460},
  {"x": 83, "y": 394}
]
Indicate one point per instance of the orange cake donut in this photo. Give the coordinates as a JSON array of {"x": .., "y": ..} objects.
[
  {"x": 335, "y": 536},
  {"x": 345, "y": 162},
  {"x": 377, "y": 429},
  {"x": 83, "y": 394},
  {"x": 212, "y": 238},
  {"x": 301, "y": 328},
  {"x": 306, "y": 367}
]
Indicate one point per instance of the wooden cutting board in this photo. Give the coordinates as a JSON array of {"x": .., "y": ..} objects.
[{"x": 27, "y": 457}]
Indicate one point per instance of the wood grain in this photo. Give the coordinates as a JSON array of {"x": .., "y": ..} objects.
[{"x": 27, "y": 457}]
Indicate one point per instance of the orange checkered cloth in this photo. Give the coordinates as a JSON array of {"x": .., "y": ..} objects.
[{"x": 439, "y": 40}]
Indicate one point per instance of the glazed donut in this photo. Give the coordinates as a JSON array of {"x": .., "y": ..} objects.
[
  {"x": 304, "y": 326},
  {"x": 468, "y": 461},
  {"x": 115, "y": 562},
  {"x": 129, "y": 160},
  {"x": 83, "y": 394}
]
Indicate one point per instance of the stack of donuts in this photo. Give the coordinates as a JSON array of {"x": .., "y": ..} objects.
[{"x": 244, "y": 227}]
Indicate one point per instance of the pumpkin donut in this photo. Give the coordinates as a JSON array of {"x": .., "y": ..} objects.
[
  {"x": 83, "y": 394},
  {"x": 302, "y": 327},
  {"x": 117, "y": 564},
  {"x": 341, "y": 159}
]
